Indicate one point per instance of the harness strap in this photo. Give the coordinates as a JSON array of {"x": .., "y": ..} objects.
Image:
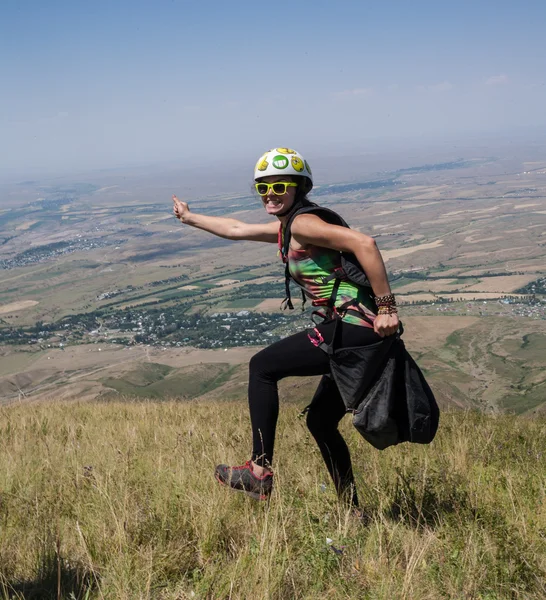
[
  {"x": 287, "y": 302},
  {"x": 315, "y": 337},
  {"x": 333, "y": 295},
  {"x": 338, "y": 273},
  {"x": 345, "y": 308}
]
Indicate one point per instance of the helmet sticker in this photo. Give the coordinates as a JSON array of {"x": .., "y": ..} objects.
[
  {"x": 262, "y": 164},
  {"x": 297, "y": 163},
  {"x": 280, "y": 162}
]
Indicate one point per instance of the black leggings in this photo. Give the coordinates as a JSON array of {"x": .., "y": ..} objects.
[{"x": 297, "y": 356}]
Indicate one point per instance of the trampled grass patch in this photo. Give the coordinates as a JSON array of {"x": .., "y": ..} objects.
[{"x": 118, "y": 500}]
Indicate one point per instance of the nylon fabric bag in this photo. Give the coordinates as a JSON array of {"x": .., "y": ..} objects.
[
  {"x": 375, "y": 418},
  {"x": 385, "y": 390},
  {"x": 400, "y": 406},
  {"x": 423, "y": 414},
  {"x": 355, "y": 369}
]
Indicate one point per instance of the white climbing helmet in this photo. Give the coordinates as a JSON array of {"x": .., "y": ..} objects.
[{"x": 283, "y": 161}]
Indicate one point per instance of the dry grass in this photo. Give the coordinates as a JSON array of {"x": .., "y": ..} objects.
[
  {"x": 430, "y": 333},
  {"x": 499, "y": 285},
  {"x": 26, "y": 225},
  {"x": 432, "y": 285},
  {"x": 16, "y": 306},
  {"x": 503, "y": 284},
  {"x": 270, "y": 304},
  {"x": 118, "y": 501},
  {"x": 77, "y": 370},
  {"x": 388, "y": 254},
  {"x": 407, "y": 298},
  {"x": 471, "y": 296}
]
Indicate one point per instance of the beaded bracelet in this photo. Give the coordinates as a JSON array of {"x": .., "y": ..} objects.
[
  {"x": 387, "y": 310},
  {"x": 388, "y": 300}
]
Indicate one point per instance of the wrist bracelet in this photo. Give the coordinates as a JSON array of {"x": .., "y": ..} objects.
[
  {"x": 388, "y": 300},
  {"x": 387, "y": 310}
]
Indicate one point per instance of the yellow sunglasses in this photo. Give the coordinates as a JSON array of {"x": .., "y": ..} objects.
[{"x": 279, "y": 187}]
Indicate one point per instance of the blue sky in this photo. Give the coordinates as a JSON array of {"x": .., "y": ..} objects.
[{"x": 111, "y": 83}]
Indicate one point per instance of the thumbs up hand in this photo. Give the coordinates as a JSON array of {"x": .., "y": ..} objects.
[{"x": 181, "y": 209}]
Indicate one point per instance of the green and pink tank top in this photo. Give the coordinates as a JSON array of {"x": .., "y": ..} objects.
[{"x": 309, "y": 267}]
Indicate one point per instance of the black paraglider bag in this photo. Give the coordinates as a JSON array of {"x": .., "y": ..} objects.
[
  {"x": 399, "y": 406},
  {"x": 355, "y": 369},
  {"x": 386, "y": 391},
  {"x": 376, "y": 417},
  {"x": 423, "y": 414}
]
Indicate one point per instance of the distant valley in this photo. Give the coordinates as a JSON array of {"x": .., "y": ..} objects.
[{"x": 98, "y": 264}]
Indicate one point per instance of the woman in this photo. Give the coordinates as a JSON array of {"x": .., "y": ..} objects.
[{"x": 283, "y": 180}]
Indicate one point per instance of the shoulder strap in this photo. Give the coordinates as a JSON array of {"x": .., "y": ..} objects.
[
  {"x": 284, "y": 245},
  {"x": 325, "y": 213},
  {"x": 350, "y": 267}
]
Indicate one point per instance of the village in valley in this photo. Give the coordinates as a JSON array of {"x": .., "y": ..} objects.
[{"x": 97, "y": 267}]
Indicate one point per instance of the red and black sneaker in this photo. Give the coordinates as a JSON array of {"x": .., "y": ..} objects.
[{"x": 243, "y": 479}]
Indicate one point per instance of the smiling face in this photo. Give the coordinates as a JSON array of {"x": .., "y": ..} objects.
[{"x": 274, "y": 204}]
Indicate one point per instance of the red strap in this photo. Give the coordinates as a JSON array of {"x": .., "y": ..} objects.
[
  {"x": 318, "y": 339},
  {"x": 321, "y": 302},
  {"x": 280, "y": 244}
]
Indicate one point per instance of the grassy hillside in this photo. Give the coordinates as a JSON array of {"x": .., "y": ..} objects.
[
  {"x": 493, "y": 364},
  {"x": 117, "y": 500},
  {"x": 490, "y": 364},
  {"x": 155, "y": 380}
]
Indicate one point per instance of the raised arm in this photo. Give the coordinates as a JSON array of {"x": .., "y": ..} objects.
[
  {"x": 311, "y": 229},
  {"x": 225, "y": 227}
]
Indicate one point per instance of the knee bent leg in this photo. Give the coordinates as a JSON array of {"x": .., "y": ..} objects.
[
  {"x": 261, "y": 366},
  {"x": 318, "y": 425}
]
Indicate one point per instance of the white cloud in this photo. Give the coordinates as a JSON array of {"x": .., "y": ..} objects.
[
  {"x": 497, "y": 80},
  {"x": 444, "y": 86}
]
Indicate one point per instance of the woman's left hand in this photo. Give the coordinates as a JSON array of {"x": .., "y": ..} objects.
[{"x": 386, "y": 324}]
